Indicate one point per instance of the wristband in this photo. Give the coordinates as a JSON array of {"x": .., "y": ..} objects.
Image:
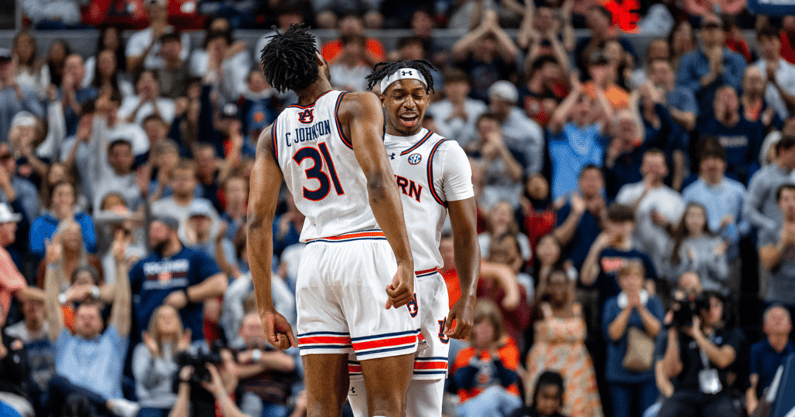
[
  {"x": 95, "y": 292},
  {"x": 62, "y": 298},
  {"x": 256, "y": 355}
]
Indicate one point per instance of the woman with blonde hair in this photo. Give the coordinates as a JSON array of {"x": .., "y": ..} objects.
[
  {"x": 68, "y": 238},
  {"x": 63, "y": 206},
  {"x": 154, "y": 365}
]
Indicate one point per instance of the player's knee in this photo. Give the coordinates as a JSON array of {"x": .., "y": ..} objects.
[{"x": 388, "y": 403}]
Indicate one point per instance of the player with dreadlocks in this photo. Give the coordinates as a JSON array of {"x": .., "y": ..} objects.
[
  {"x": 355, "y": 284},
  {"x": 434, "y": 179}
]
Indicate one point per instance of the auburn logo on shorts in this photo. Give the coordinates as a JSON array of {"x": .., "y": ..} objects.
[
  {"x": 306, "y": 116},
  {"x": 412, "y": 306},
  {"x": 443, "y": 337}
]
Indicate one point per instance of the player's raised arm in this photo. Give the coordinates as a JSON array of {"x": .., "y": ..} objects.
[
  {"x": 362, "y": 114},
  {"x": 266, "y": 180}
]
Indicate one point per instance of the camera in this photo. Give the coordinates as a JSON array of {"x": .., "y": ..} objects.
[
  {"x": 684, "y": 310},
  {"x": 199, "y": 361}
]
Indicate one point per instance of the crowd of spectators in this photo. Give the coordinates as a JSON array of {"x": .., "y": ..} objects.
[{"x": 631, "y": 204}]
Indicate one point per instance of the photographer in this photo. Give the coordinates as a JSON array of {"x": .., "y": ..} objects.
[
  {"x": 266, "y": 374},
  {"x": 210, "y": 373},
  {"x": 699, "y": 352}
]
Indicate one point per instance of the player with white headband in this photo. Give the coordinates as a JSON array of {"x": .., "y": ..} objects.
[{"x": 433, "y": 177}]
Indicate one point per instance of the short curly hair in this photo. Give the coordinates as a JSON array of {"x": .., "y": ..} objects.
[{"x": 289, "y": 61}]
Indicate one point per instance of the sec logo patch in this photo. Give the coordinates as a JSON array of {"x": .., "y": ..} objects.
[{"x": 415, "y": 158}]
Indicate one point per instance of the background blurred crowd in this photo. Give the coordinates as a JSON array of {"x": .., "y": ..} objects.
[{"x": 636, "y": 208}]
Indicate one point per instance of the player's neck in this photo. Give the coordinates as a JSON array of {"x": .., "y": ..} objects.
[
  {"x": 311, "y": 93},
  {"x": 391, "y": 130}
]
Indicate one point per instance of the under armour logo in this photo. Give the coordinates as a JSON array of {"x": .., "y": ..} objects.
[
  {"x": 392, "y": 156},
  {"x": 405, "y": 73}
]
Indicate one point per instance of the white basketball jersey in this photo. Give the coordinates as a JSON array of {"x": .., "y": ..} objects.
[
  {"x": 321, "y": 170},
  {"x": 430, "y": 170}
]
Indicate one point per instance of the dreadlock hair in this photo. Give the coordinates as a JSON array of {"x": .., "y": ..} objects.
[
  {"x": 382, "y": 70},
  {"x": 289, "y": 61}
]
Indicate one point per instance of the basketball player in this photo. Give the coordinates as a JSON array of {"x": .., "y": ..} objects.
[
  {"x": 434, "y": 178},
  {"x": 352, "y": 289}
]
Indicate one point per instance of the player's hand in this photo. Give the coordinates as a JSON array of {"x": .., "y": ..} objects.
[
  {"x": 278, "y": 330},
  {"x": 463, "y": 314},
  {"x": 401, "y": 290}
]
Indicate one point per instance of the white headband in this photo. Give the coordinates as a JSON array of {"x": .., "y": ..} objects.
[{"x": 402, "y": 74}]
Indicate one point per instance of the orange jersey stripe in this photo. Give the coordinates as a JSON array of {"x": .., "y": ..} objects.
[
  {"x": 430, "y": 365},
  {"x": 323, "y": 340},
  {"x": 397, "y": 341},
  {"x": 426, "y": 271},
  {"x": 376, "y": 233}
]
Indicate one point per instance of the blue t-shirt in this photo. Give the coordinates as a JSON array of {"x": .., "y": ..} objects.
[
  {"x": 682, "y": 99},
  {"x": 584, "y": 236},
  {"x": 44, "y": 227},
  {"x": 95, "y": 364},
  {"x": 614, "y": 369},
  {"x": 153, "y": 278},
  {"x": 569, "y": 151},
  {"x": 765, "y": 362},
  {"x": 610, "y": 262}
]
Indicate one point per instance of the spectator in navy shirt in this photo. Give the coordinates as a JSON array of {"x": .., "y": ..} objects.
[
  {"x": 769, "y": 353},
  {"x": 741, "y": 139},
  {"x": 579, "y": 219},
  {"x": 628, "y": 144},
  {"x": 612, "y": 249},
  {"x": 174, "y": 275},
  {"x": 704, "y": 70},
  {"x": 632, "y": 308}
]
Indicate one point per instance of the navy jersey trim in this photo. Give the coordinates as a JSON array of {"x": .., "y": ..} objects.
[
  {"x": 273, "y": 138},
  {"x": 337, "y": 121},
  {"x": 310, "y": 104},
  {"x": 430, "y": 173},
  {"x": 418, "y": 144}
]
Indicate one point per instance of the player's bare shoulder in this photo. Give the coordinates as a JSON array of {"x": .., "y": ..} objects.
[
  {"x": 358, "y": 103},
  {"x": 361, "y": 107},
  {"x": 265, "y": 143}
]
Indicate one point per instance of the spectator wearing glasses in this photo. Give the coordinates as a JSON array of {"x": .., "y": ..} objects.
[{"x": 704, "y": 70}]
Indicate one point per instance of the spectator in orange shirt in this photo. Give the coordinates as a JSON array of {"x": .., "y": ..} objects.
[
  {"x": 353, "y": 25},
  {"x": 603, "y": 77},
  {"x": 485, "y": 372}
]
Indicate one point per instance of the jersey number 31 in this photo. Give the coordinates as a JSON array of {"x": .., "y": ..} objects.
[{"x": 316, "y": 171}]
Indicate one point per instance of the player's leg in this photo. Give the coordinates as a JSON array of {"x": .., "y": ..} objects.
[
  {"x": 426, "y": 391},
  {"x": 384, "y": 340},
  {"x": 387, "y": 381},
  {"x": 425, "y": 398},
  {"x": 322, "y": 335},
  {"x": 357, "y": 391},
  {"x": 326, "y": 381}
]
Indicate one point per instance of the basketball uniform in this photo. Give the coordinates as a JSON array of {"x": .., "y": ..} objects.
[
  {"x": 430, "y": 170},
  {"x": 347, "y": 262}
]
